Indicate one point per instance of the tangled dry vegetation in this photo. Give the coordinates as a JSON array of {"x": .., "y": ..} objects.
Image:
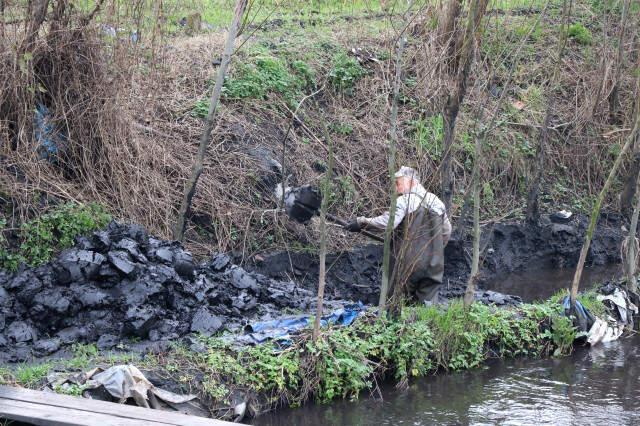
[{"x": 130, "y": 113}]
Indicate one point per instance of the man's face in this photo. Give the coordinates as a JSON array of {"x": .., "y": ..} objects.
[{"x": 403, "y": 185}]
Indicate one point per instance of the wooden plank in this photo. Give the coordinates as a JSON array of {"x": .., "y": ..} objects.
[
  {"x": 109, "y": 408},
  {"x": 47, "y": 415}
]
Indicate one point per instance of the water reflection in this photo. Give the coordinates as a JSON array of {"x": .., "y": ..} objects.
[
  {"x": 539, "y": 282},
  {"x": 596, "y": 386}
]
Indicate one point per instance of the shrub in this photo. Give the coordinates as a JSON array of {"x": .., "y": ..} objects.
[
  {"x": 580, "y": 34},
  {"x": 268, "y": 74}
]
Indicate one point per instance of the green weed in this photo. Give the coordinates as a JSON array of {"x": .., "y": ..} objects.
[
  {"x": 580, "y": 33},
  {"x": 52, "y": 232},
  {"x": 344, "y": 129},
  {"x": 267, "y": 74},
  {"x": 488, "y": 195},
  {"x": 83, "y": 355},
  {"x": 201, "y": 108},
  {"x": 428, "y": 134},
  {"x": 346, "y": 71},
  {"x": 70, "y": 389},
  {"x": 31, "y": 375}
]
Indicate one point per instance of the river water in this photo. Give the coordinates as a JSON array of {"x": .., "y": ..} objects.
[
  {"x": 597, "y": 386},
  {"x": 594, "y": 386}
]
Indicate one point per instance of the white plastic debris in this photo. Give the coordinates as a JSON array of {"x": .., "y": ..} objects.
[
  {"x": 602, "y": 332},
  {"x": 623, "y": 305},
  {"x": 606, "y": 331},
  {"x": 126, "y": 381}
]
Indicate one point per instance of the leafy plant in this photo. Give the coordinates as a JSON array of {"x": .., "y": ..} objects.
[
  {"x": 72, "y": 389},
  {"x": 56, "y": 230},
  {"x": 580, "y": 33},
  {"x": 83, "y": 355},
  {"x": 8, "y": 259},
  {"x": 345, "y": 73},
  {"x": 268, "y": 74},
  {"x": 487, "y": 193},
  {"x": 201, "y": 108},
  {"x": 42, "y": 237},
  {"x": 342, "y": 128}
]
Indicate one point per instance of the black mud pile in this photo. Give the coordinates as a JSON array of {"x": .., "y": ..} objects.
[
  {"x": 121, "y": 283},
  {"x": 507, "y": 247}
]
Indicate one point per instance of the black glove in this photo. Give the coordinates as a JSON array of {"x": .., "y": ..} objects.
[{"x": 353, "y": 226}]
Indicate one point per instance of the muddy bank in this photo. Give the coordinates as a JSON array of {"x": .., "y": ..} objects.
[
  {"x": 121, "y": 283},
  {"x": 508, "y": 247}
]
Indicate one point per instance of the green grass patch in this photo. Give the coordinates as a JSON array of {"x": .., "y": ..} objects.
[
  {"x": 32, "y": 375},
  {"x": 428, "y": 133},
  {"x": 265, "y": 74}
]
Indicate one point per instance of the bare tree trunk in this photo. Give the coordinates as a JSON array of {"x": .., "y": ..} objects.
[
  {"x": 38, "y": 13},
  {"x": 469, "y": 294},
  {"x": 452, "y": 107},
  {"x": 393, "y": 140},
  {"x": 190, "y": 187},
  {"x": 630, "y": 187},
  {"x": 447, "y": 31},
  {"x": 613, "y": 97},
  {"x": 324, "y": 206},
  {"x": 2, "y": 18},
  {"x": 630, "y": 260},
  {"x": 533, "y": 195},
  {"x": 595, "y": 212}
]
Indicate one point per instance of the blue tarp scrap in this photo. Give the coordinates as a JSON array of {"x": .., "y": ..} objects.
[
  {"x": 281, "y": 329},
  {"x": 49, "y": 139},
  {"x": 584, "y": 317}
]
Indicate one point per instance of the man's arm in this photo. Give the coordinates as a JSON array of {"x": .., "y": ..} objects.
[{"x": 379, "y": 223}]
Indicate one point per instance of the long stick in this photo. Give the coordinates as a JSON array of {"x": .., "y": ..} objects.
[
  {"x": 332, "y": 218},
  {"x": 613, "y": 97},
  {"x": 190, "y": 187},
  {"x": 533, "y": 213},
  {"x": 630, "y": 263},
  {"x": 452, "y": 108},
  {"x": 393, "y": 140},
  {"x": 326, "y": 190}
]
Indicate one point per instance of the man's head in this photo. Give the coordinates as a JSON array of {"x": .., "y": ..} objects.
[{"x": 406, "y": 178}]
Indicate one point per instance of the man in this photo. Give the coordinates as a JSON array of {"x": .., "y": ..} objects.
[{"x": 421, "y": 231}]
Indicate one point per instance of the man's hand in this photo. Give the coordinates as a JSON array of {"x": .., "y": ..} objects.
[{"x": 353, "y": 226}]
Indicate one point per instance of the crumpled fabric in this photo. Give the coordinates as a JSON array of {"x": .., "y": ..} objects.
[
  {"x": 126, "y": 381},
  {"x": 584, "y": 318}
]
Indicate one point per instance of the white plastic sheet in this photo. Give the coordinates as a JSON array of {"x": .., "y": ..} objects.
[{"x": 126, "y": 381}]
